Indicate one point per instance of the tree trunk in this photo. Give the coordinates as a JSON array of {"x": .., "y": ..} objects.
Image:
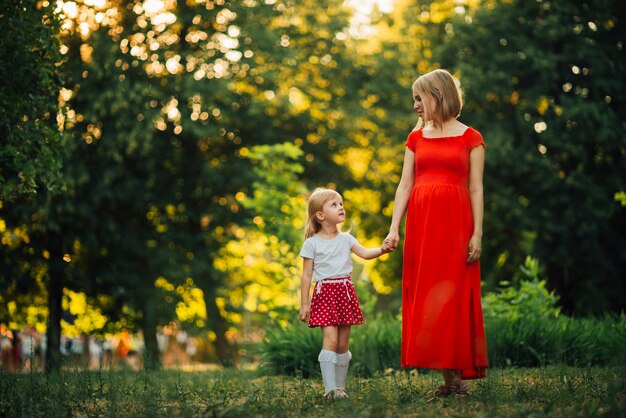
[
  {"x": 56, "y": 272},
  {"x": 218, "y": 326},
  {"x": 152, "y": 360}
]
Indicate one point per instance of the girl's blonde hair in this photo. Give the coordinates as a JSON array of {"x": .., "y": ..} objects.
[
  {"x": 446, "y": 90},
  {"x": 317, "y": 200}
]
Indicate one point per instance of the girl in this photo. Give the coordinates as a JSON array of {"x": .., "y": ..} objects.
[{"x": 335, "y": 306}]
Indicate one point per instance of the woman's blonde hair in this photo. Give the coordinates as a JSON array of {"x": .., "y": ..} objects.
[
  {"x": 317, "y": 200},
  {"x": 446, "y": 90}
]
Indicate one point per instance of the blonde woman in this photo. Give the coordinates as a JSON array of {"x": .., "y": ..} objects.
[{"x": 441, "y": 192}]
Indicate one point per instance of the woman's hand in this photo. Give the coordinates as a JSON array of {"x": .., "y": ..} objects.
[
  {"x": 305, "y": 313},
  {"x": 474, "y": 249},
  {"x": 392, "y": 240}
]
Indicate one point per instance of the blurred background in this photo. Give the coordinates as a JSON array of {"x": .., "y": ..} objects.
[{"x": 156, "y": 156}]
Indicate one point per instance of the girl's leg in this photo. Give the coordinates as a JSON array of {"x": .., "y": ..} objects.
[
  {"x": 330, "y": 337},
  {"x": 343, "y": 338},
  {"x": 328, "y": 358},
  {"x": 343, "y": 356}
]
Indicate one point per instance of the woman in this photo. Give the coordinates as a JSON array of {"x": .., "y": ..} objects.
[{"x": 441, "y": 190}]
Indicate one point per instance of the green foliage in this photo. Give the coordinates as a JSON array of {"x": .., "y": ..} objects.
[
  {"x": 159, "y": 140},
  {"x": 524, "y": 328},
  {"x": 530, "y": 299},
  {"x": 548, "y": 109},
  {"x": 375, "y": 346},
  {"x": 292, "y": 350},
  {"x": 277, "y": 197},
  {"x": 31, "y": 153}
]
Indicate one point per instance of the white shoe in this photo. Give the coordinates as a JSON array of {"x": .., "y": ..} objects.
[{"x": 340, "y": 393}]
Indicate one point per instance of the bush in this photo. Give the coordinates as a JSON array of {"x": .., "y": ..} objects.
[
  {"x": 375, "y": 345},
  {"x": 524, "y": 327},
  {"x": 517, "y": 321},
  {"x": 293, "y": 350}
]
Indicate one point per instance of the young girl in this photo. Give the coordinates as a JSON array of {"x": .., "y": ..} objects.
[{"x": 334, "y": 306}]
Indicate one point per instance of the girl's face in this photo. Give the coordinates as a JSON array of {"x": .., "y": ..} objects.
[{"x": 333, "y": 211}]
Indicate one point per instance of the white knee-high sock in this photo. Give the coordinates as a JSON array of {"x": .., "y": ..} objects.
[
  {"x": 327, "y": 360},
  {"x": 341, "y": 369}
]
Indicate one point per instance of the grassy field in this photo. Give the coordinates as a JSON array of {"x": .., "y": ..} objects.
[{"x": 551, "y": 391}]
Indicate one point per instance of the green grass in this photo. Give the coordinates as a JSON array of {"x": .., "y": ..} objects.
[{"x": 555, "y": 391}]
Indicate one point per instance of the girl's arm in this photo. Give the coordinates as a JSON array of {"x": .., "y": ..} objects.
[
  {"x": 368, "y": 253},
  {"x": 403, "y": 192},
  {"x": 477, "y": 166},
  {"x": 305, "y": 289}
]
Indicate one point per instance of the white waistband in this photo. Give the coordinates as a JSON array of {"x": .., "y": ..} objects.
[
  {"x": 335, "y": 279},
  {"x": 344, "y": 280}
]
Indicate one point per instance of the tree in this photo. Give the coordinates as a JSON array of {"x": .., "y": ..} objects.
[
  {"x": 168, "y": 104},
  {"x": 31, "y": 154},
  {"x": 516, "y": 85},
  {"x": 552, "y": 123}
]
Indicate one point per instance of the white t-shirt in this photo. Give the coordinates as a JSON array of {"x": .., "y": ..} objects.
[{"x": 331, "y": 257}]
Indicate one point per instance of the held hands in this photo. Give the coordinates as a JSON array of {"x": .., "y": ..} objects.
[
  {"x": 305, "y": 313},
  {"x": 391, "y": 242},
  {"x": 386, "y": 247},
  {"x": 474, "y": 249}
]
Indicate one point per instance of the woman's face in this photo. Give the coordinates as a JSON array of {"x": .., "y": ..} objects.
[{"x": 422, "y": 103}]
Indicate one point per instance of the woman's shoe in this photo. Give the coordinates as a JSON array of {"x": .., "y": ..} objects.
[
  {"x": 460, "y": 388},
  {"x": 443, "y": 390}
]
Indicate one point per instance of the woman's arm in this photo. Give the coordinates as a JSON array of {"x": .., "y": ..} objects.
[
  {"x": 403, "y": 192},
  {"x": 477, "y": 167},
  {"x": 305, "y": 289}
]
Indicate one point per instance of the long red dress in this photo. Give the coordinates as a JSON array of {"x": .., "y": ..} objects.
[{"x": 442, "y": 319}]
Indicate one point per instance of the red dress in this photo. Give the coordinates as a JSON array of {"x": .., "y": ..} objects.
[{"x": 442, "y": 320}]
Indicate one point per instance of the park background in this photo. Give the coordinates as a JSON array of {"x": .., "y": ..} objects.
[{"x": 156, "y": 156}]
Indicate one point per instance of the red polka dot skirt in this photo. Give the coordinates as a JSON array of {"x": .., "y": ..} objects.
[{"x": 335, "y": 302}]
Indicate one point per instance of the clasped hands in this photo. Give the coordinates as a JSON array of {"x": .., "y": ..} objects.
[{"x": 391, "y": 242}]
